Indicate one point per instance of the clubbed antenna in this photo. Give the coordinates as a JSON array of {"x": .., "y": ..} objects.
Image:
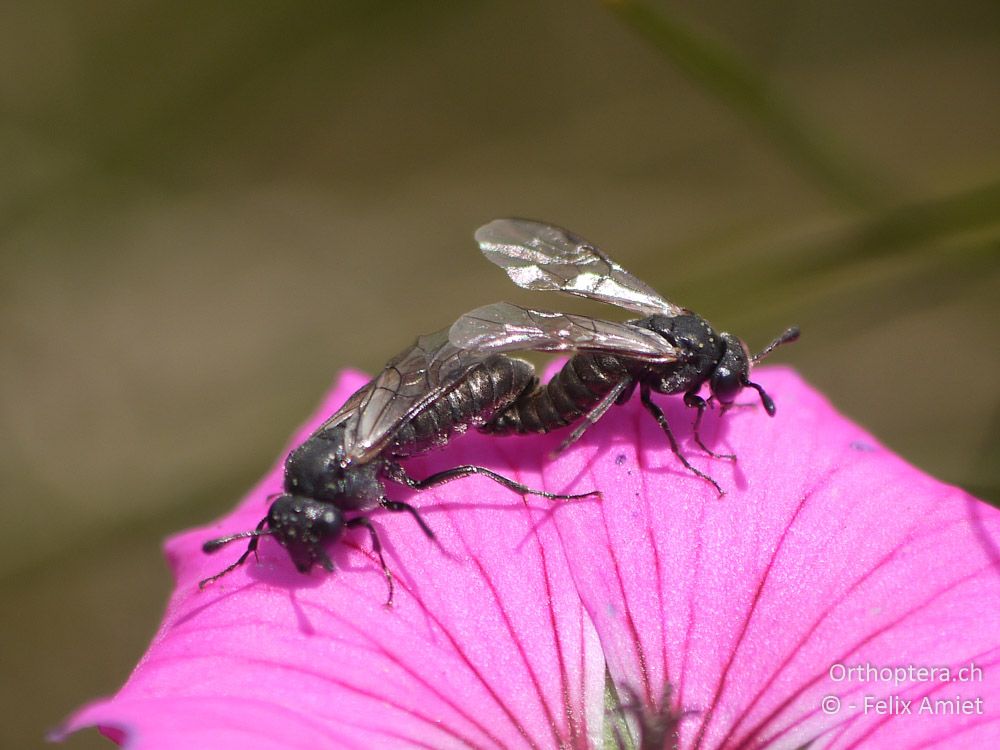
[
  {"x": 214, "y": 545},
  {"x": 787, "y": 337},
  {"x": 768, "y": 402},
  {"x": 792, "y": 334}
]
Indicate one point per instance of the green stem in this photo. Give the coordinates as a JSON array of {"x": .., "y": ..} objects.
[{"x": 720, "y": 71}]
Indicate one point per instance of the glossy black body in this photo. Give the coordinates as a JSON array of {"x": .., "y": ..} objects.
[
  {"x": 334, "y": 472},
  {"x": 671, "y": 350},
  {"x": 485, "y": 391},
  {"x": 589, "y": 377},
  {"x": 317, "y": 473}
]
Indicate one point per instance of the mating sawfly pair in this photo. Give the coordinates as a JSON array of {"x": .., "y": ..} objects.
[{"x": 462, "y": 377}]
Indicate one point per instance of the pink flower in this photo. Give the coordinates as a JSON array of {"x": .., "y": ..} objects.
[{"x": 831, "y": 576}]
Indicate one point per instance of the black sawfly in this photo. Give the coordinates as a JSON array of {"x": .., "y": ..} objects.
[
  {"x": 424, "y": 396},
  {"x": 671, "y": 350}
]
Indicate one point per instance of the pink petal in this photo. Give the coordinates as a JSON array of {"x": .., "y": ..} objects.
[
  {"x": 487, "y": 644},
  {"x": 827, "y": 549}
]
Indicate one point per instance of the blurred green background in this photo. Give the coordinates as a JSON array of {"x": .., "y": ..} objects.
[{"x": 208, "y": 209}]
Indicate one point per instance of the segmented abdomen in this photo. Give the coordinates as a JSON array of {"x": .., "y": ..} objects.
[
  {"x": 486, "y": 390},
  {"x": 573, "y": 392}
]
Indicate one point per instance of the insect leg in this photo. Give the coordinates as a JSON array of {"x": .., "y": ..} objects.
[
  {"x": 658, "y": 415},
  {"x": 697, "y": 402},
  {"x": 595, "y": 414},
  {"x": 398, "y": 507},
  {"x": 215, "y": 544},
  {"x": 377, "y": 546},
  {"x": 398, "y": 474}
]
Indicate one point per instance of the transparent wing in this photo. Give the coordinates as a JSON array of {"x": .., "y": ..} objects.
[
  {"x": 503, "y": 327},
  {"x": 349, "y": 409},
  {"x": 548, "y": 258},
  {"x": 409, "y": 383}
]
